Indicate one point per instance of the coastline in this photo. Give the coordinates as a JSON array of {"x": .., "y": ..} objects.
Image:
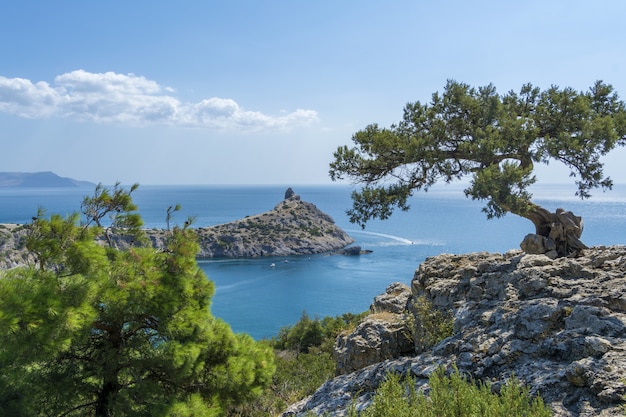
[{"x": 293, "y": 227}]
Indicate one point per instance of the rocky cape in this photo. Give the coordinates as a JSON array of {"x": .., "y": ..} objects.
[
  {"x": 293, "y": 227},
  {"x": 558, "y": 325}
]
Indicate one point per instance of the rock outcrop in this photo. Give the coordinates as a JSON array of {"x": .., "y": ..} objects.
[
  {"x": 12, "y": 250},
  {"x": 293, "y": 227},
  {"x": 558, "y": 325},
  {"x": 383, "y": 334}
]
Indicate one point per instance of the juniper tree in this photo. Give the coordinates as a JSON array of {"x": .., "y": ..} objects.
[{"x": 494, "y": 140}]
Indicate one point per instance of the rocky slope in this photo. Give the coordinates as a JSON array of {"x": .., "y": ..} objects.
[
  {"x": 293, "y": 227},
  {"x": 12, "y": 251},
  {"x": 558, "y": 325}
]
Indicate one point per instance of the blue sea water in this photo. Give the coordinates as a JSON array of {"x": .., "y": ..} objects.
[{"x": 257, "y": 298}]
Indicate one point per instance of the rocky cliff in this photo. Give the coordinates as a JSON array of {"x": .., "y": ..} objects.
[
  {"x": 558, "y": 324},
  {"x": 293, "y": 227}
]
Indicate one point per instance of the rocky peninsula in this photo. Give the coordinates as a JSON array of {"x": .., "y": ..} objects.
[
  {"x": 293, "y": 227},
  {"x": 558, "y": 325}
]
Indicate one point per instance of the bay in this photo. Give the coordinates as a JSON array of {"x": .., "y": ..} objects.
[{"x": 260, "y": 295}]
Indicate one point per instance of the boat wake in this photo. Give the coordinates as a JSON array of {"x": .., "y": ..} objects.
[{"x": 396, "y": 240}]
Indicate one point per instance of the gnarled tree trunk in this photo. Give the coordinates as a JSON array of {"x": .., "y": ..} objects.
[{"x": 556, "y": 234}]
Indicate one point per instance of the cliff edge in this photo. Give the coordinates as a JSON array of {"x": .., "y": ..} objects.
[{"x": 558, "y": 325}]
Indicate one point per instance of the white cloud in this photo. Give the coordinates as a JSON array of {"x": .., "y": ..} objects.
[
  {"x": 131, "y": 99},
  {"x": 23, "y": 98}
]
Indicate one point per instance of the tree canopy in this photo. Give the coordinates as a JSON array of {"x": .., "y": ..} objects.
[
  {"x": 494, "y": 140},
  {"x": 93, "y": 330}
]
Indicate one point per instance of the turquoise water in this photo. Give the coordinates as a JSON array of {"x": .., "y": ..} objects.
[{"x": 258, "y": 298}]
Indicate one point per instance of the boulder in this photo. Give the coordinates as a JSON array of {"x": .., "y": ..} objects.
[
  {"x": 393, "y": 300},
  {"x": 378, "y": 337},
  {"x": 352, "y": 251},
  {"x": 384, "y": 334},
  {"x": 537, "y": 244}
]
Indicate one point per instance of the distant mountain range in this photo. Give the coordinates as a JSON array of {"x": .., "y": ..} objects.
[{"x": 39, "y": 179}]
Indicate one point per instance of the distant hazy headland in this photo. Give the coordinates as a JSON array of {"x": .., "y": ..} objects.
[{"x": 39, "y": 179}]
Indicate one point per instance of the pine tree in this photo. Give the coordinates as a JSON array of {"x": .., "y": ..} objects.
[{"x": 95, "y": 330}]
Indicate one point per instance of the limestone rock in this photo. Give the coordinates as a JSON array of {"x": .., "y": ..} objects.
[
  {"x": 537, "y": 244},
  {"x": 12, "y": 246},
  {"x": 558, "y": 324},
  {"x": 293, "y": 227},
  {"x": 377, "y": 338},
  {"x": 384, "y": 334},
  {"x": 393, "y": 300},
  {"x": 289, "y": 193}
]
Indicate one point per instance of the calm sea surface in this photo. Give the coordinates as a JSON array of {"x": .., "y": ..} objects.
[{"x": 258, "y": 299}]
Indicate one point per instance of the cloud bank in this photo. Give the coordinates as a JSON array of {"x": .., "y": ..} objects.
[{"x": 133, "y": 100}]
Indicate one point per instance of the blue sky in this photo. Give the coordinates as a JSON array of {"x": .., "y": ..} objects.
[{"x": 263, "y": 92}]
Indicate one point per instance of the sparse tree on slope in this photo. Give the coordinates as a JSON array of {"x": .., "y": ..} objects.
[
  {"x": 93, "y": 330},
  {"x": 495, "y": 141}
]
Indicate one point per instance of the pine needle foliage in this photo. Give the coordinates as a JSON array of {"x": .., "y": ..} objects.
[
  {"x": 95, "y": 330},
  {"x": 494, "y": 141},
  {"x": 452, "y": 396}
]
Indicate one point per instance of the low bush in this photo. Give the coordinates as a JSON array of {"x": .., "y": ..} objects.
[
  {"x": 452, "y": 396},
  {"x": 429, "y": 325},
  {"x": 314, "y": 332},
  {"x": 303, "y": 358}
]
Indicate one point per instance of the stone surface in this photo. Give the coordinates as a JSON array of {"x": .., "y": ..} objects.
[
  {"x": 558, "y": 324},
  {"x": 293, "y": 227},
  {"x": 393, "y": 300},
  {"x": 289, "y": 193},
  {"x": 534, "y": 244},
  {"x": 12, "y": 241},
  {"x": 384, "y": 334},
  {"x": 351, "y": 251}
]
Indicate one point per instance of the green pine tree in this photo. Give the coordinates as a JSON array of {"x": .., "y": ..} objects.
[{"x": 94, "y": 330}]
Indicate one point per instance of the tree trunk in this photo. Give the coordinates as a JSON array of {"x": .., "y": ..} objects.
[
  {"x": 110, "y": 371},
  {"x": 563, "y": 228},
  {"x": 104, "y": 397}
]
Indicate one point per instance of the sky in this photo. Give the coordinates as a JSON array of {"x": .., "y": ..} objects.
[{"x": 263, "y": 92}]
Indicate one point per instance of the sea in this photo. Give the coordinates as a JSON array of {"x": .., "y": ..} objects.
[{"x": 258, "y": 296}]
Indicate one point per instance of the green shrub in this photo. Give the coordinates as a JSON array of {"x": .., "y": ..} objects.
[
  {"x": 297, "y": 376},
  {"x": 452, "y": 396},
  {"x": 303, "y": 359},
  {"x": 429, "y": 325},
  {"x": 312, "y": 332}
]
